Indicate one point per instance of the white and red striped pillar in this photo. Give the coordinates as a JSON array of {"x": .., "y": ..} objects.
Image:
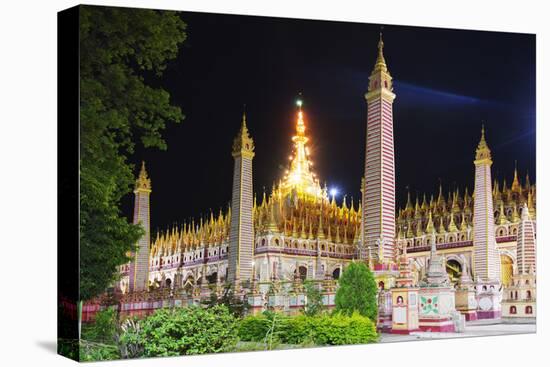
[
  {"x": 526, "y": 248},
  {"x": 241, "y": 235},
  {"x": 139, "y": 266},
  {"x": 486, "y": 256},
  {"x": 379, "y": 189}
]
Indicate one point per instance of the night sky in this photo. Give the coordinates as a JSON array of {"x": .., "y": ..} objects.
[{"x": 446, "y": 81}]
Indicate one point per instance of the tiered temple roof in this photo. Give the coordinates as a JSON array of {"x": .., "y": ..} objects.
[{"x": 454, "y": 212}]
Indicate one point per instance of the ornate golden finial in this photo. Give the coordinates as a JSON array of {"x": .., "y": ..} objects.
[
  {"x": 483, "y": 153},
  {"x": 430, "y": 228},
  {"x": 417, "y": 208},
  {"x": 299, "y": 177},
  {"x": 424, "y": 205},
  {"x": 408, "y": 206},
  {"x": 515, "y": 214},
  {"x": 516, "y": 187},
  {"x": 419, "y": 231},
  {"x": 380, "y": 61},
  {"x": 338, "y": 239},
  {"x": 530, "y": 205},
  {"x": 502, "y": 215},
  {"x": 463, "y": 225},
  {"x": 320, "y": 232},
  {"x": 243, "y": 143},
  {"x": 452, "y": 225},
  {"x": 410, "y": 232},
  {"x": 441, "y": 228},
  {"x": 143, "y": 182}
]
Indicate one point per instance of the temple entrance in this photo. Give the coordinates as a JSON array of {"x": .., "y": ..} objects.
[
  {"x": 212, "y": 278},
  {"x": 454, "y": 270},
  {"x": 302, "y": 272},
  {"x": 336, "y": 273}
]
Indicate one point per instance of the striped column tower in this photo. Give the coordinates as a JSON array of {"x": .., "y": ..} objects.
[
  {"x": 486, "y": 257},
  {"x": 241, "y": 236},
  {"x": 526, "y": 249},
  {"x": 139, "y": 267},
  {"x": 379, "y": 188}
]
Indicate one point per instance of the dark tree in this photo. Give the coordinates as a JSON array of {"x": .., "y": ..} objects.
[{"x": 118, "y": 48}]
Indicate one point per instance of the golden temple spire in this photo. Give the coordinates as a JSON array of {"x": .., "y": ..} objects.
[
  {"x": 527, "y": 181},
  {"x": 143, "y": 182},
  {"x": 320, "y": 232},
  {"x": 409, "y": 203},
  {"x": 424, "y": 205},
  {"x": 515, "y": 214},
  {"x": 243, "y": 143},
  {"x": 452, "y": 225},
  {"x": 530, "y": 205},
  {"x": 483, "y": 153},
  {"x": 430, "y": 228},
  {"x": 502, "y": 215},
  {"x": 463, "y": 225},
  {"x": 299, "y": 176},
  {"x": 516, "y": 187},
  {"x": 380, "y": 61}
]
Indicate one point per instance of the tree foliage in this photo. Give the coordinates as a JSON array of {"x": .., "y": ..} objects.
[
  {"x": 357, "y": 291},
  {"x": 118, "y": 48},
  {"x": 181, "y": 331},
  {"x": 314, "y": 304},
  {"x": 234, "y": 303}
]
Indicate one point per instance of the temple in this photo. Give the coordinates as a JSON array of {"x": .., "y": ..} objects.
[{"x": 440, "y": 262}]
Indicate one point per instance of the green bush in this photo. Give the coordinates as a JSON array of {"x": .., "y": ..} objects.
[
  {"x": 192, "y": 330},
  {"x": 338, "y": 329},
  {"x": 341, "y": 329},
  {"x": 253, "y": 328},
  {"x": 90, "y": 351},
  {"x": 103, "y": 329},
  {"x": 357, "y": 291}
]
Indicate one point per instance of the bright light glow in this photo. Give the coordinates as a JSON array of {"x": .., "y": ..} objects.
[
  {"x": 333, "y": 192},
  {"x": 299, "y": 103}
]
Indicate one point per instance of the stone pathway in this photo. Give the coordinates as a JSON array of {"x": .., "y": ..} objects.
[{"x": 473, "y": 329}]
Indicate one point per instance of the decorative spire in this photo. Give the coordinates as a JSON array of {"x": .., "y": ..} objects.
[
  {"x": 380, "y": 61},
  {"x": 424, "y": 205},
  {"x": 430, "y": 228},
  {"x": 243, "y": 143},
  {"x": 502, "y": 215},
  {"x": 320, "y": 232},
  {"x": 452, "y": 225},
  {"x": 483, "y": 153},
  {"x": 530, "y": 205},
  {"x": 516, "y": 187},
  {"x": 143, "y": 182},
  {"x": 299, "y": 176},
  {"x": 409, "y": 204},
  {"x": 463, "y": 225}
]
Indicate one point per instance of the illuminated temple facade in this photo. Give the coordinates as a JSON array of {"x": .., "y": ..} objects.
[{"x": 297, "y": 231}]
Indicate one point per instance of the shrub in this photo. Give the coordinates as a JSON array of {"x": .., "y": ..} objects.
[
  {"x": 357, "y": 291},
  {"x": 265, "y": 328},
  {"x": 103, "y": 328},
  {"x": 338, "y": 329},
  {"x": 90, "y": 351},
  {"x": 341, "y": 329},
  {"x": 180, "y": 331},
  {"x": 253, "y": 328}
]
